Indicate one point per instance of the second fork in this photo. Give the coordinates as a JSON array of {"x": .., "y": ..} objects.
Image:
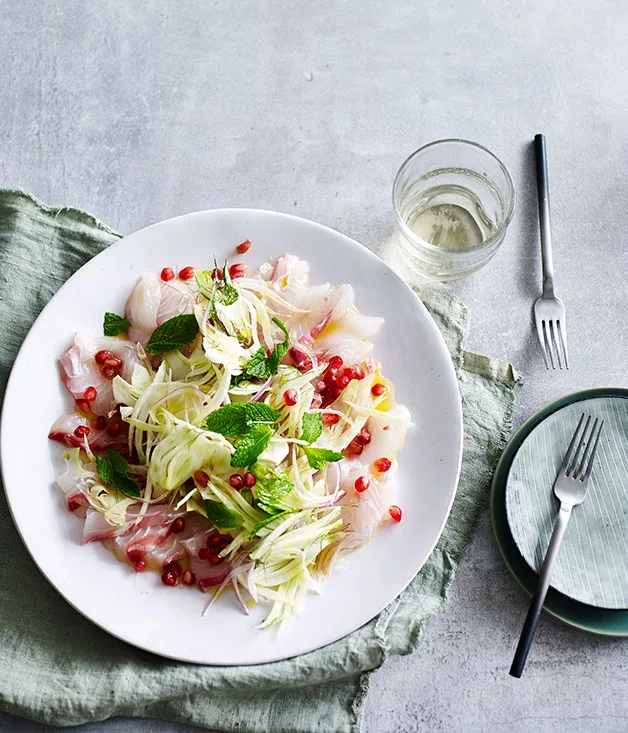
[
  {"x": 549, "y": 311},
  {"x": 570, "y": 489}
]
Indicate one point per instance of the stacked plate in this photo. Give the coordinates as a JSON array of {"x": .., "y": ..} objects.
[{"x": 590, "y": 580}]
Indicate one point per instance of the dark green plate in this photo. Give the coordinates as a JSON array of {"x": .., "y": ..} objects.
[{"x": 581, "y": 615}]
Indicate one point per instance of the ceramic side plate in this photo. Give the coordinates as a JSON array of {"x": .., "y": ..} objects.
[
  {"x": 592, "y": 566},
  {"x": 606, "y": 621}
]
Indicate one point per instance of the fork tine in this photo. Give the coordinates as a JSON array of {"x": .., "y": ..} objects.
[
  {"x": 578, "y": 472},
  {"x": 574, "y": 462},
  {"x": 562, "y": 337},
  {"x": 587, "y": 473},
  {"x": 539, "y": 332},
  {"x": 552, "y": 325},
  {"x": 547, "y": 344},
  {"x": 569, "y": 454}
]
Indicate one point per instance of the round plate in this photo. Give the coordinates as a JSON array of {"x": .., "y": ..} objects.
[
  {"x": 592, "y": 566},
  {"x": 137, "y": 607},
  {"x": 589, "y": 618}
]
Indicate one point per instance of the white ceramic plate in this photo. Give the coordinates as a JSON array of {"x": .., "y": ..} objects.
[{"x": 137, "y": 607}]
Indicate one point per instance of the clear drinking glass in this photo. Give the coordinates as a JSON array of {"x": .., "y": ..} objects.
[{"x": 453, "y": 201}]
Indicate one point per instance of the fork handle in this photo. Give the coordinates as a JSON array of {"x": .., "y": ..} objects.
[
  {"x": 542, "y": 190},
  {"x": 536, "y": 605}
]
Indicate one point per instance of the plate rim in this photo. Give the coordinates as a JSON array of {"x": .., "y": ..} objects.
[
  {"x": 449, "y": 372},
  {"x": 593, "y": 619}
]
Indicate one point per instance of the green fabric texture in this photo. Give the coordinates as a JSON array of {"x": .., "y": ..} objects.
[{"x": 56, "y": 667}]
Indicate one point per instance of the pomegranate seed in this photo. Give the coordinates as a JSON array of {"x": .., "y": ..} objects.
[
  {"x": 332, "y": 394},
  {"x": 114, "y": 429},
  {"x": 167, "y": 274},
  {"x": 204, "y": 553},
  {"x": 395, "y": 512},
  {"x": 329, "y": 378},
  {"x": 178, "y": 525},
  {"x": 73, "y": 505},
  {"x": 377, "y": 390},
  {"x": 249, "y": 479},
  {"x": 386, "y": 427},
  {"x": 358, "y": 372},
  {"x": 169, "y": 578},
  {"x": 113, "y": 362},
  {"x": 354, "y": 448},
  {"x": 102, "y": 356},
  {"x": 188, "y": 577},
  {"x": 243, "y": 247},
  {"x": 237, "y": 270},
  {"x": 109, "y": 372},
  {"x": 187, "y": 273},
  {"x": 300, "y": 359},
  {"x": 335, "y": 362},
  {"x": 134, "y": 554},
  {"x": 329, "y": 418},
  {"x": 141, "y": 565},
  {"x": 215, "y": 560},
  {"x": 99, "y": 423},
  {"x": 362, "y": 484},
  {"x": 343, "y": 381},
  {"x": 215, "y": 541},
  {"x": 364, "y": 437},
  {"x": 81, "y": 431},
  {"x": 382, "y": 464},
  {"x": 201, "y": 478},
  {"x": 174, "y": 568},
  {"x": 236, "y": 480},
  {"x": 90, "y": 394},
  {"x": 290, "y": 397},
  {"x": 217, "y": 274},
  {"x": 82, "y": 405}
]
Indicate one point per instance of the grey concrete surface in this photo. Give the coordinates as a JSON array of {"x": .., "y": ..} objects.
[{"x": 140, "y": 111}]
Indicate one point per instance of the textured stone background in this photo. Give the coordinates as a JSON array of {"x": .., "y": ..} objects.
[{"x": 141, "y": 111}]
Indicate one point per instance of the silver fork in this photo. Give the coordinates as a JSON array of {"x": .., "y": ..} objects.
[
  {"x": 549, "y": 311},
  {"x": 570, "y": 488}
]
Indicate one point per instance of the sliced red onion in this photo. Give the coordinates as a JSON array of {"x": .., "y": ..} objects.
[{"x": 262, "y": 391}]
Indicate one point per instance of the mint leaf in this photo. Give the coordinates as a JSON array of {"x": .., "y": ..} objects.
[
  {"x": 118, "y": 462},
  {"x": 127, "y": 486},
  {"x": 281, "y": 349},
  {"x": 173, "y": 334},
  {"x": 228, "y": 420},
  {"x": 270, "y": 488},
  {"x": 260, "y": 412},
  {"x": 221, "y": 516},
  {"x": 251, "y": 446},
  {"x": 114, "y": 325},
  {"x": 113, "y": 469},
  {"x": 258, "y": 366},
  {"x": 224, "y": 292},
  {"x": 256, "y": 527},
  {"x": 105, "y": 469},
  {"x": 318, "y": 457},
  {"x": 262, "y": 366},
  {"x": 311, "y": 426},
  {"x": 238, "y": 418}
]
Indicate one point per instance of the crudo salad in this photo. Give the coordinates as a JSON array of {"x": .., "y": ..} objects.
[{"x": 232, "y": 430}]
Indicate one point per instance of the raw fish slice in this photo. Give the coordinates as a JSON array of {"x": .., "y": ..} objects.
[
  {"x": 79, "y": 369},
  {"x": 154, "y": 301},
  {"x": 98, "y": 440}
]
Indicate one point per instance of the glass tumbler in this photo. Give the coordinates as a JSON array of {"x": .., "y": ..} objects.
[{"x": 453, "y": 201}]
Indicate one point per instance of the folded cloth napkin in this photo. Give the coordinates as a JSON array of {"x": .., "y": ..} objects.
[{"x": 56, "y": 667}]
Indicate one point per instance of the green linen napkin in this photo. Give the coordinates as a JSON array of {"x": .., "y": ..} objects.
[{"x": 56, "y": 667}]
